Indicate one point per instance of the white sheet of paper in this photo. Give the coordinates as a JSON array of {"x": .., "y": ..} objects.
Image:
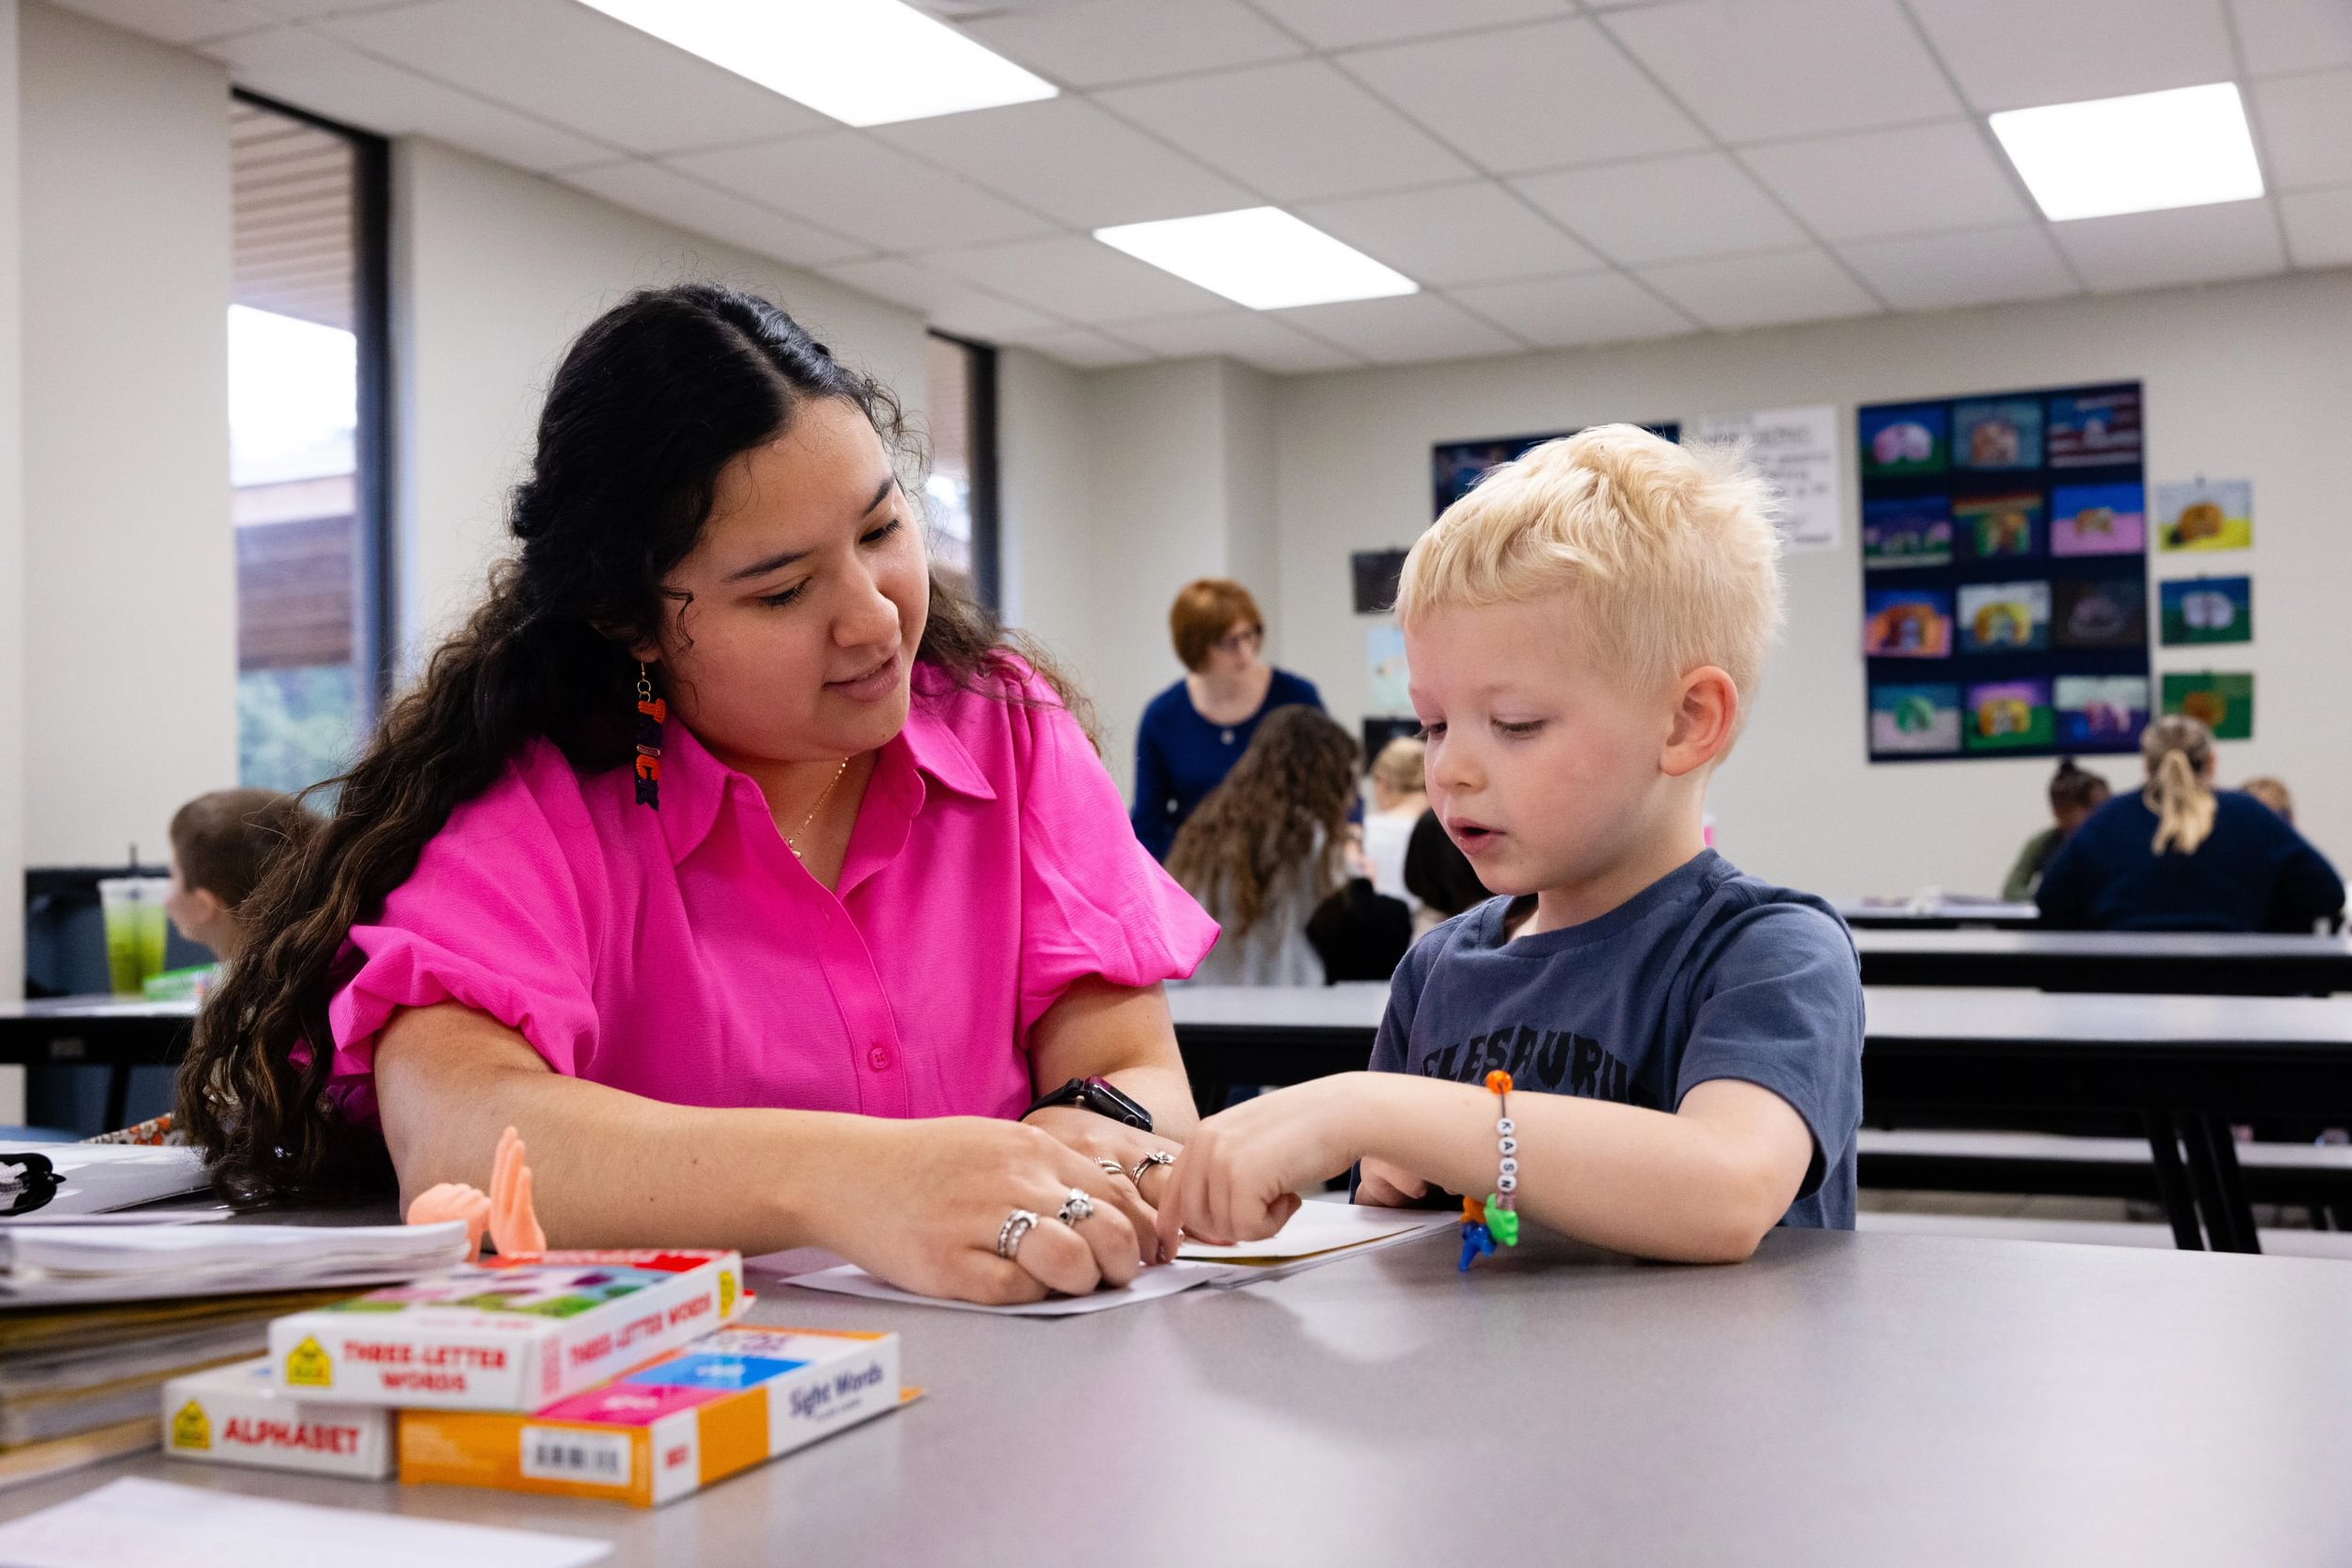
[
  {"x": 134, "y": 1523},
  {"x": 1326, "y": 1228},
  {"x": 1166, "y": 1280}
]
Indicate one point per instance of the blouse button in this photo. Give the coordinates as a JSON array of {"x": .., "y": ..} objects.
[{"x": 879, "y": 1059}]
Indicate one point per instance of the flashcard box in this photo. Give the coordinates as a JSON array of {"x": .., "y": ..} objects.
[
  {"x": 717, "y": 1407},
  {"x": 237, "y": 1414},
  {"x": 493, "y": 1335}
]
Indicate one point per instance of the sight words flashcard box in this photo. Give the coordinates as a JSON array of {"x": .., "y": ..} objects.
[
  {"x": 498, "y": 1336},
  {"x": 237, "y": 1414},
  {"x": 719, "y": 1407}
]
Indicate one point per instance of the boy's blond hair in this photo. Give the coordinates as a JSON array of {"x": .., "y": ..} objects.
[{"x": 1667, "y": 554}]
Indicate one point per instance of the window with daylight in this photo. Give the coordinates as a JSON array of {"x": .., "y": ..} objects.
[
  {"x": 305, "y": 410},
  {"x": 959, "y": 494}
]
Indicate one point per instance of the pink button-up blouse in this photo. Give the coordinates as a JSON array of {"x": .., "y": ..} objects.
[{"x": 686, "y": 954}]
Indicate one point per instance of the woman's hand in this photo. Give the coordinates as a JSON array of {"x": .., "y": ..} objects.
[
  {"x": 1100, "y": 1138},
  {"x": 933, "y": 1195},
  {"x": 1237, "y": 1177}
]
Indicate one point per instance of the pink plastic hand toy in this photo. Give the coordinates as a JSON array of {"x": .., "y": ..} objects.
[{"x": 505, "y": 1211}]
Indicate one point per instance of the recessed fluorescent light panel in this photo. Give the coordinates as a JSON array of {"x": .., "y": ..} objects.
[
  {"x": 2183, "y": 148},
  {"x": 864, "y": 62},
  {"x": 1260, "y": 257}
]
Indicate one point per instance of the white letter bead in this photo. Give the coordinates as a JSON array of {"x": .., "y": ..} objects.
[
  {"x": 1508, "y": 1144},
  {"x": 1507, "y": 1126},
  {"x": 1506, "y": 1184},
  {"x": 1509, "y": 1166}
]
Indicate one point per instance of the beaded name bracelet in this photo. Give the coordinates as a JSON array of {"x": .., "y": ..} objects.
[{"x": 1496, "y": 1222}]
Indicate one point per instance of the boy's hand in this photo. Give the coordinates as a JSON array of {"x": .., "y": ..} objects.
[
  {"x": 1238, "y": 1176},
  {"x": 1382, "y": 1185}
]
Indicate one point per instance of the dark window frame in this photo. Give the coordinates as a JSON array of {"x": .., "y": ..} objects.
[{"x": 980, "y": 410}]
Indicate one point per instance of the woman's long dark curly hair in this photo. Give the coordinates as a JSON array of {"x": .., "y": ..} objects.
[
  {"x": 1284, "y": 808},
  {"x": 653, "y": 400}
]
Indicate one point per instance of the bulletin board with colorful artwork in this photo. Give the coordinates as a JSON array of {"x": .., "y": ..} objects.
[
  {"x": 1456, "y": 466},
  {"x": 2005, "y": 575}
]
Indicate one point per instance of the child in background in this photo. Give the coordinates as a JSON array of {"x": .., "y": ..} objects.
[
  {"x": 2183, "y": 856},
  {"x": 1398, "y": 800},
  {"x": 221, "y": 844},
  {"x": 1684, "y": 1041},
  {"x": 1266, "y": 846},
  {"x": 2075, "y": 793},
  {"x": 2272, "y": 793}
]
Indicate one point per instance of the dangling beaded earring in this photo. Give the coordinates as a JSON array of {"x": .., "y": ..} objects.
[{"x": 651, "y": 711}]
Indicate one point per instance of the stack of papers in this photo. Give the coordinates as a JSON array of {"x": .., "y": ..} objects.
[
  {"x": 42, "y": 1265},
  {"x": 93, "y": 1179}
]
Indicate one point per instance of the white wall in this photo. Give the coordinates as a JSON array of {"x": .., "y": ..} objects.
[
  {"x": 129, "y": 562},
  {"x": 2243, "y": 380},
  {"x": 494, "y": 271},
  {"x": 11, "y": 556}
]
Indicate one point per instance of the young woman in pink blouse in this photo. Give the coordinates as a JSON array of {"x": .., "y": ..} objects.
[{"x": 801, "y": 988}]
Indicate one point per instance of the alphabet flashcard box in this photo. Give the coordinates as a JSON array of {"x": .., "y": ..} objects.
[
  {"x": 719, "y": 1407},
  {"x": 501, "y": 1335},
  {"x": 237, "y": 1414}
]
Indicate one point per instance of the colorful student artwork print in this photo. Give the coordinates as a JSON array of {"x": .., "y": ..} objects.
[
  {"x": 2224, "y": 703},
  {"x": 1997, "y": 432},
  {"x": 1994, "y": 528},
  {"x": 2004, "y": 617},
  {"x": 2101, "y": 711},
  {"x": 2097, "y": 429},
  {"x": 1456, "y": 466},
  {"x": 1916, "y": 530},
  {"x": 1904, "y": 440},
  {"x": 1901, "y": 623},
  {"x": 2098, "y": 519},
  {"x": 1915, "y": 720},
  {"x": 2102, "y": 613},
  {"x": 2008, "y": 716},
  {"x": 2205, "y": 515},
  {"x": 2206, "y": 610}
]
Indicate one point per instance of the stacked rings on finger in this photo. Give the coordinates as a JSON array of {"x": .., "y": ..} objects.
[
  {"x": 1076, "y": 1207},
  {"x": 1010, "y": 1235},
  {"x": 1157, "y": 1157},
  {"x": 1112, "y": 1167}
]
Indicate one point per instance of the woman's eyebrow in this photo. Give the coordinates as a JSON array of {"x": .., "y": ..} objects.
[{"x": 774, "y": 563}]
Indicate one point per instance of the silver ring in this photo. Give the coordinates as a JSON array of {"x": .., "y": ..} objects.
[
  {"x": 1157, "y": 1157},
  {"x": 1076, "y": 1207},
  {"x": 1112, "y": 1167},
  {"x": 1010, "y": 1235}
]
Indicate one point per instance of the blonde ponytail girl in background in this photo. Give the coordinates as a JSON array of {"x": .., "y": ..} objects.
[{"x": 2180, "y": 855}]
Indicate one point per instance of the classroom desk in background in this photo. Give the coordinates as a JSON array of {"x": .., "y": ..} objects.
[
  {"x": 2179, "y": 962},
  {"x": 1841, "y": 1400},
  {"x": 2184, "y": 1067},
  {"x": 115, "y": 1032},
  {"x": 1939, "y": 915}
]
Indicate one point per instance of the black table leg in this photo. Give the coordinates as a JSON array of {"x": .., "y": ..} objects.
[
  {"x": 2229, "y": 1180},
  {"x": 117, "y": 1097},
  {"x": 2163, "y": 1145}
]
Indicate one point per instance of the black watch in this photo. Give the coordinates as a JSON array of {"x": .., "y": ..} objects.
[{"x": 1099, "y": 1094}]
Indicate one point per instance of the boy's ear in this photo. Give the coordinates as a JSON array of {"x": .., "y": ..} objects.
[{"x": 1706, "y": 715}]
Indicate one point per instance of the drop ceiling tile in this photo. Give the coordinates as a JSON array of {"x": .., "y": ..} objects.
[
  {"x": 1665, "y": 208},
  {"x": 2187, "y": 245},
  {"x": 1763, "y": 291},
  {"x": 2294, "y": 34},
  {"x": 1086, "y": 350},
  {"x": 1351, "y": 24},
  {"x": 2306, "y": 128},
  {"x": 1292, "y": 132},
  {"x": 1754, "y": 69},
  {"x": 1078, "y": 279},
  {"x": 946, "y": 302},
  {"x": 303, "y": 10},
  {"x": 1562, "y": 312},
  {"x": 2319, "y": 226},
  {"x": 1069, "y": 159},
  {"x": 2015, "y": 54},
  {"x": 310, "y": 71},
  {"x": 1246, "y": 335},
  {"x": 1403, "y": 330},
  {"x": 1107, "y": 41},
  {"x": 566, "y": 64},
  {"x": 673, "y": 197},
  {"x": 1940, "y": 272},
  {"x": 175, "y": 21},
  {"x": 1910, "y": 180},
  {"x": 1529, "y": 98},
  {"x": 1453, "y": 233},
  {"x": 850, "y": 183}
]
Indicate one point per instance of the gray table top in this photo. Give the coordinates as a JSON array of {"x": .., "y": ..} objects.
[
  {"x": 94, "y": 1007},
  {"x": 1959, "y": 909},
  {"x": 2183, "y": 946},
  {"x": 1842, "y": 1399},
  {"x": 1893, "y": 1012}
]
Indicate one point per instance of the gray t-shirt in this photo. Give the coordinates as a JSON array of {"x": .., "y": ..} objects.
[{"x": 1708, "y": 972}]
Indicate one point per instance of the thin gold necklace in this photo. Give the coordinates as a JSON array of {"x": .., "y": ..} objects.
[{"x": 823, "y": 796}]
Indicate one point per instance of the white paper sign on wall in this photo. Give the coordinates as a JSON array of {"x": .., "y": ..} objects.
[{"x": 1796, "y": 451}]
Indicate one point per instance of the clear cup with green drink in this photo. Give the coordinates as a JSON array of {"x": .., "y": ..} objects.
[{"x": 132, "y": 907}]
